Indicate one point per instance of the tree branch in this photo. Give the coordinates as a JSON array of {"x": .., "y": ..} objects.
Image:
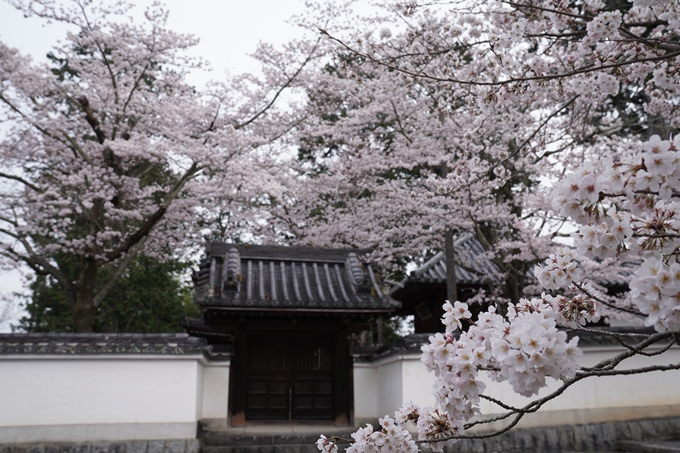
[
  {"x": 583, "y": 70},
  {"x": 156, "y": 216},
  {"x": 608, "y": 304},
  {"x": 21, "y": 180},
  {"x": 281, "y": 89},
  {"x": 118, "y": 273},
  {"x": 38, "y": 263}
]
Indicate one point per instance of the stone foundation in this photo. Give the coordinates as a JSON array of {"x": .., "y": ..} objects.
[
  {"x": 595, "y": 437},
  {"x": 137, "y": 446},
  {"x": 582, "y": 438}
]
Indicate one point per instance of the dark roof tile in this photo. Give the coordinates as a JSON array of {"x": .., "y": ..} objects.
[
  {"x": 260, "y": 276},
  {"x": 472, "y": 271},
  {"x": 100, "y": 343}
]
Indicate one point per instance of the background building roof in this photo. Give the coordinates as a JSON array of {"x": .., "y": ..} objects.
[{"x": 471, "y": 267}]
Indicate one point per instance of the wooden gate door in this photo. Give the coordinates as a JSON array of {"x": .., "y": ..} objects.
[{"x": 290, "y": 378}]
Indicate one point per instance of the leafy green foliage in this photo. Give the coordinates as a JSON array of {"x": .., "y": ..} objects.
[
  {"x": 382, "y": 331},
  {"x": 150, "y": 298}
]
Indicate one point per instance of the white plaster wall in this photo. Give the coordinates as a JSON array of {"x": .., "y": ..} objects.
[
  {"x": 199, "y": 391},
  {"x": 382, "y": 387},
  {"x": 84, "y": 398},
  {"x": 417, "y": 382},
  {"x": 215, "y": 390},
  {"x": 658, "y": 388},
  {"x": 403, "y": 378},
  {"x": 365, "y": 383},
  {"x": 390, "y": 386}
]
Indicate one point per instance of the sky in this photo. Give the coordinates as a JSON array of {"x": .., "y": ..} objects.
[{"x": 229, "y": 30}]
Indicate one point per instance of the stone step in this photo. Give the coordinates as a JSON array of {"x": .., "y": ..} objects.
[
  {"x": 264, "y": 442},
  {"x": 649, "y": 447},
  {"x": 282, "y": 448},
  {"x": 222, "y": 439}
]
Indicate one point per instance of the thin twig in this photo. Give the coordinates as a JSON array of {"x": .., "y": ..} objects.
[
  {"x": 583, "y": 70},
  {"x": 608, "y": 304}
]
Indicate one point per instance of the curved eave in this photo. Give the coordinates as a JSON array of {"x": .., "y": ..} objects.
[{"x": 207, "y": 333}]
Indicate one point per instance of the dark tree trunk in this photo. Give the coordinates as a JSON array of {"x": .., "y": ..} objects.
[
  {"x": 84, "y": 313},
  {"x": 451, "y": 283}
]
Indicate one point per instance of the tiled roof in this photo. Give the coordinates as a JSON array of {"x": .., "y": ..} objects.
[
  {"x": 198, "y": 327},
  {"x": 410, "y": 344},
  {"x": 100, "y": 343},
  {"x": 472, "y": 271},
  {"x": 277, "y": 277}
]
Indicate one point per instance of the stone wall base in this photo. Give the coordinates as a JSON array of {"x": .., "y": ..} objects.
[
  {"x": 593, "y": 437},
  {"x": 137, "y": 446},
  {"x": 581, "y": 438},
  {"x": 96, "y": 432}
]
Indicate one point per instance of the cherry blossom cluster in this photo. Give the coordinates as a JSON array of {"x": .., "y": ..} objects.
[
  {"x": 530, "y": 347},
  {"x": 559, "y": 270},
  {"x": 455, "y": 364},
  {"x": 437, "y": 429},
  {"x": 656, "y": 291},
  {"x": 604, "y": 25},
  {"x": 523, "y": 350},
  {"x": 627, "y": 209},
  {"x": 576, "y": 311},
  {"x": 326, "y": 445},
  {"x": 392, "y": 438},
  {"x": 454, "y": 314}
]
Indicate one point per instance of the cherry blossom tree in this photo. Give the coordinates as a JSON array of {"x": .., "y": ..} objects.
[
  {"x": 574, "y": 94},
  {"x": 406, "y": 161},
  {"x": 438, "y": 117},
  {"x": 108, "y": 152},
  {"x": 410, "y": 158}
]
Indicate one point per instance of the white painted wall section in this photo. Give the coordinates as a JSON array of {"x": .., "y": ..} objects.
[
  {"x": 650, "y": 389},
  {"x": 403, "y": 378},
  {"x": 94, "y": 390},
  {"x": 383, "y": 386},
  {"x": 390, "y": 385},
  {"x": 365, "y": 382},
  {"x": 118, "y": 397},
  {"x": 417, "y": 382},
  {"x": 215, "y": 391}
]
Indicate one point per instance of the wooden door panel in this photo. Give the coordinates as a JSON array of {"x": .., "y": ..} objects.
[
  {"x": 313, "y": 399},
  {"x": 315, "y": 357},
  {"x": 313, "y": 381},
  {"x": 267, "y": 393},
  {"x": 292, "y": 379},
  {"x": 267, "y": 399},
  {"x": 268, "y": 358}
]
